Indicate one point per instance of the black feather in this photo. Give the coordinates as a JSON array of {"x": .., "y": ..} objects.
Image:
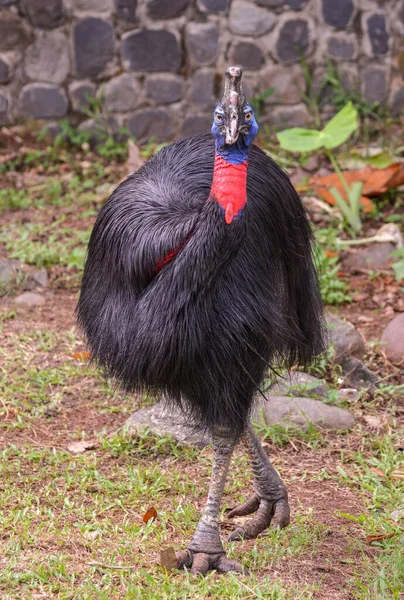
[{"x": 234, "y": 300}]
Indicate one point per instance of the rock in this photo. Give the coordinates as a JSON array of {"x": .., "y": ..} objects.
[
  {"x": 196, "y": 125},
  {"x": 13, "y": 34},
  {"x": 374, "y": 256},
  {"x": 342, "y": 47},
  {"x": 80, "y": 93},
  {"x": 356, "y": 375},
  {"x": 397, "y": 101},
  {"x": 299, "y": 412},
  {"x": 248, "y": 55},
  {"x": 3, "y": 108},
  {"x": 47, "y": 59},
  {"x": 296, "y": 4},
  {"x": 164, "y": 89},
  {"x": 393, "y": 338},
  {"x": 299, "y": 383},
  {"x": 375, "y": 84},
  {"x": 30, "y": 299},
  {"x": 99, "y": 128},
  {"x": 4, "y": 3},
  {"x": 214, "y": 5},
  {"x": 40, "y": 277},
  {"x": 201, "y": 90},
  {"x": 151, "y": 123},
  {"x": 45, "y": 13},
  {"x": 9, "y": 274},
  {"x": 42, "y": 101},
  {"x": 93, "y": 42},
  {"x": 92, "y": 5},
  {"x": 4, "y": 71},
  {"x": 163, "y": 420},
  {"x": 202, "y": 42},
  {"x": 121, "y": 93},
  {"x": 161, "y": 9},
  {"x": 348, "y": 394},
  {"x": 126, "y": 9},
  {"x": 282, "y": 117},
  {"x": 375, "y": 26},
  {"x": 337, "y": 14},
  {"x": 247, "y": 19},
  {"x": 345, "y": 338},
  {"x": 293, "y": 40},
  {"x": 286, "y": 84},
  {"x": 150, "y": 50}
]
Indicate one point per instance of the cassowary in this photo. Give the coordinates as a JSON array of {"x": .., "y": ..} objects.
[{"x": 199, "y": 277}]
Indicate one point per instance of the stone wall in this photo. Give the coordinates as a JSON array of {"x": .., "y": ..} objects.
[{"x": 159, "y": 63}]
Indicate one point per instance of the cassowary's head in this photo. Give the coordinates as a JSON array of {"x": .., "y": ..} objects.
[{"x": 233, "y": 118}]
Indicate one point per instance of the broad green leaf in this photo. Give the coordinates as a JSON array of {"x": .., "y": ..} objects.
[
  {"x": 338, "y": 130},
  {"x": 298, "y": 139}
]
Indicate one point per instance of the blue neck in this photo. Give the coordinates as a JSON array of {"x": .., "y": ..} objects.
[{"x": 235, "y": 154}]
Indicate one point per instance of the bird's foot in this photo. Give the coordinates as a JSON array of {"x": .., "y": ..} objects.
[
  {"x": 201, "y": 562},
  {"x": 268, "y": 513}
]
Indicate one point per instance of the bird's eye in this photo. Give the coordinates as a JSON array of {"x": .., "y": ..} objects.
[
  {"x": 248, "y": 116},
  {"x": 219, "y": 118}
]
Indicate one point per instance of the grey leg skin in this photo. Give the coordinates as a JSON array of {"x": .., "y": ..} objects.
[
  {"x": 270, "y": 500},
  {"x": 205, "y": 551}
]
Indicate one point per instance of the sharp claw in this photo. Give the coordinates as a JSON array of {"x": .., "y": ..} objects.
[
  {"x": 246, "y": 508},
  {"x": 281, "y": 516},
  {"x": 224, "y": 565},
  {"x": 268, "y": 514},
  {"x": 237, "y": 535}
]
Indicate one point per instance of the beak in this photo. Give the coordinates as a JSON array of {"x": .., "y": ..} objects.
[
  {"x": 232, "y": 101},
  {"x": 232, "y": 128}
]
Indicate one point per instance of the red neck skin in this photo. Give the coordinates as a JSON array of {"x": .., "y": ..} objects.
[{"x": 229, "y": 187}]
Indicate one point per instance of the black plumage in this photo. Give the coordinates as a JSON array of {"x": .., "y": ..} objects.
[{"x": 230, "y": 300}]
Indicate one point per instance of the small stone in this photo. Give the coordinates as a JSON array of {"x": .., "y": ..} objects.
[
  {"x": 161, "y": 9},
  {"x": 349, "y": 394},
  {"x": 121, "y": 93},
  {"x": 45, "y": 13},
  {"x": 300, "y": 412},
  {"x": 93, "y": 41},
  {"x": 342, "y": 47},
  {"x": 377, "y": 33},
  {"x": 164, "y": 89},
  {"x": 92, "y": 5},
  {"x": 298, "y": 383},
  {"x": 373, "y": 257},
  {"x": 47, "y": 59},
  {"x": 393, "y": 338},
  {"x": 202, "y": 88},
  {"x": 287, "y": 84},
  {"x": 162, "y": 420},
  {"x": 296, "y": 4},
  {"x": 150, "y": 50},
  {"x": 13, "y": 34},
  {"x": 42, "y": 101},
  {"x": 356, "y": 375},
  {"x": 9, "y": 272},
  {"x": 201, "y": 40},
  {"x": 40, "y": 277},
  {"x": 126, "y": 9},
  {"x": 30, "y": 299},
  {"x": 196, "y": 125},
  {"x": 247, "y": 19},
  {"x": 3, "y": 108},
  {"x": 397, "y": 102},
  {"x": 80, "y": 93},
  {"x": 99, "y": 128},
  {"x": 282, "y": 117},
  {"x": 337, "y": 14},
  {"x": 293, "y": 40},
  {"x": 345, "y": 338},
  {"x": 248, "y": 55},
  {"x": 151, "y": 123},
  {"x": 214, "y": 5},
  {"x": 4, "y": 71}
]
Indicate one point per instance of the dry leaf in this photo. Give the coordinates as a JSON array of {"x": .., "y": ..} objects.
[
  {"x": 377, "y": 472},
  {"x": 135, "y": 159},
  {"x": 398, "y": 474},
  {"x": 81, "y": 355},
  {"x": 168, "y": 560},
  {"x": 378, "y": 538},
  {"x": 151, "y": 513},
  {"x": 373, "y": 421},
  {"x": 82, "y": 446}
]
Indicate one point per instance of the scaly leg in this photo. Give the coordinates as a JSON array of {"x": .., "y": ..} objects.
[
  {"x": 205, "y": 552},
  {"x": 270, "y": 500}
]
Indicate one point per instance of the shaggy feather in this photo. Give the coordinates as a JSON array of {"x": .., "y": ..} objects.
[{"x": 233, "y": 300}]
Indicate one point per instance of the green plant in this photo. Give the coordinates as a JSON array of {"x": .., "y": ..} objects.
[
  {"x": 258, "y": 101},
  {"x": 333, "y": 289},
  {"x": 335, "y": 133},
  {"x": 398, "y": 265}
]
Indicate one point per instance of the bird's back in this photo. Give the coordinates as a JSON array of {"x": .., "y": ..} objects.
[{"x": 175, "y": 299}]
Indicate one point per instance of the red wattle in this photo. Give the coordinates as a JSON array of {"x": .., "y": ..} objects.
[{"x": 229, "y": 186}]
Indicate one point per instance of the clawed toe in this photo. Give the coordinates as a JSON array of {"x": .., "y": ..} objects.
[
  {"x": 200, "y": 563},
  {"x": 274, "y": 514}
]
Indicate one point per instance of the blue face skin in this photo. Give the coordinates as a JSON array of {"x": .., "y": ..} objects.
[{"x": 236, "y": 153}]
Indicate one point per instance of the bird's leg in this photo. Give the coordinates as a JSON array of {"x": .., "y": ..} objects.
[
  {"x": 205, "y": 552},
  {"x": 270, "y": 500}
]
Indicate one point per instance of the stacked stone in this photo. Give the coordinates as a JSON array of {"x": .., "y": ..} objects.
[{"x": 157, "y": 64}]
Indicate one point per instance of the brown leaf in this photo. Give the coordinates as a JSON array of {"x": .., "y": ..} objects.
[
  {"x": 378, "y": 538},
  {"x": 151, "y": 513},
  {"x": 398, "y": 474},
  {"x": 81, "y": 355},
  {"x": 82, "y": 446},
  {"x": 377, "y": 472},
  {"x": 168, "y": 560}
]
